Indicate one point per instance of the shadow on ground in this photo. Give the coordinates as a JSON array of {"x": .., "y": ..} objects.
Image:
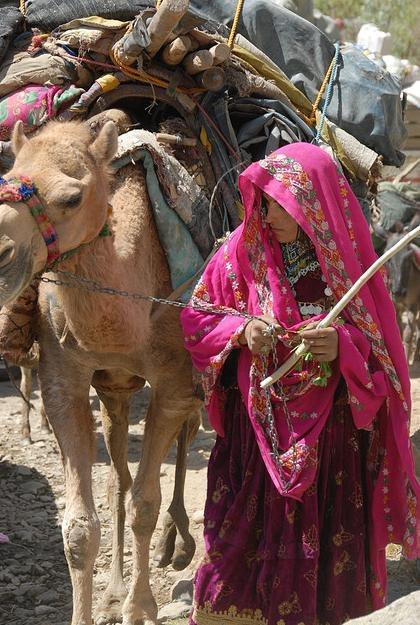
[
  {"x": 35, "y": 585},
  {"x": 403, "y": 578}
]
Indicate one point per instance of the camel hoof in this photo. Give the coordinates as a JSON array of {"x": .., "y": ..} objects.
[
  {"x": 165, "y": 549},
  {"x": 184, "y": 553},
  {"x": 110, "y": 609},
  {"x": 141, "y": 611},
  {"x": 107, "y": 619},
  {"x": 26, "y": 441},
  {"x": 45, "y": 429}
]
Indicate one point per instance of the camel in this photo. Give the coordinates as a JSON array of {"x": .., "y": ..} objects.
[{"x": 111, "y": 342}]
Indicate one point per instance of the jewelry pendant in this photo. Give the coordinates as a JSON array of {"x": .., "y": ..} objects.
[
  {"x": 308, "y": 309},
  {"x": 328, "y": 291}
]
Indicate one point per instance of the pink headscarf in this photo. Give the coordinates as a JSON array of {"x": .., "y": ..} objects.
[{"x": 247, "y": 275}]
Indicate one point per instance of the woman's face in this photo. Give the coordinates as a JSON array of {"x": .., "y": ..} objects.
[{"x": 284, "y": 227}]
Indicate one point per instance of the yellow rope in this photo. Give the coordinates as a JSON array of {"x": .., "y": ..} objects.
[
  {"x": 22, "y": 7},
  {"x": 234, "y": 28},
  {"x": 158, "y": 3},
  {"x": 308, "y": 120},
  {"x": 321, "y": 92}
]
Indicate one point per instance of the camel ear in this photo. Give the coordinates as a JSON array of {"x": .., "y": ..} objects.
[
  {"x": 105, "y": 144},
  {"x": 18, "y": 138}
]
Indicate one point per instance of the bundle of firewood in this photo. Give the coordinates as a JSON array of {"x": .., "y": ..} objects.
[{"x": 157, "y": 37}]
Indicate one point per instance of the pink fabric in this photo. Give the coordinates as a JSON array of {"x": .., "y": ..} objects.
[
  {"x": 34, "y": 105},
  {"x": 247, "y": 275}
]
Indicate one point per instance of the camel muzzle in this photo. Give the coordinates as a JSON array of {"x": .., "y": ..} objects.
[
  {"x": 20, "y": 188},
  {"x": 15, "y": 271},
  {"x": 7, "y": 251}
]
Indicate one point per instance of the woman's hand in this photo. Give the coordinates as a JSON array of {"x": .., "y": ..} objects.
[
  {"x": 253, "y": 335},
  {"x": 323, "y": 343}
]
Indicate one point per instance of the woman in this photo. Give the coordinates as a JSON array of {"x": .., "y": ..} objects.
[{"x": 308, "y": 482}]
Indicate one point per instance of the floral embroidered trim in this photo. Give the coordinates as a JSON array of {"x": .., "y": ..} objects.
[
  {"x": 212, "y": 371},
  {"x": 344, "y": 563},
  {"x": 292, "y": 606},
  {"x": 239, "y": 298},
  {"x": 232, "y": 616},
  {"x": 411, "y": 521},
  {"x": 258, "y": 265},
  {"x": 379, "y": 589}
]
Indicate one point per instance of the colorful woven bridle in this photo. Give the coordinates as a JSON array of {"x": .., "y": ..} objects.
[{"x": 22, "y": 189}]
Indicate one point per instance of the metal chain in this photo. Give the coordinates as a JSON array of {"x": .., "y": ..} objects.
[
  {"x": 271, "y": 431},
  {"x": 74, "y": 281},
  {"x": 78, "y": 282}
]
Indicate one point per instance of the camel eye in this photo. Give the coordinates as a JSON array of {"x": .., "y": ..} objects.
[{"x": 72, "y": 202}]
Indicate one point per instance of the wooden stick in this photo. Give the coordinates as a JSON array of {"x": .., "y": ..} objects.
[
  {"x": 175, "y": 52},
  {"x": 220, "y": 53},
  {"x": 176, "y": 139},
  {"x": 406, "y": 171},
  {"x": 336, "y": 310},
  {"x": 197, "y": 62},
  {"x": 212, "y": 79},
  {"x": 163, "y": 22},
  {"x": 185, "y": 101}
]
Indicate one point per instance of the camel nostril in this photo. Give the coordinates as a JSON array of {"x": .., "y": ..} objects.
[{"x": 7, "y": 253}]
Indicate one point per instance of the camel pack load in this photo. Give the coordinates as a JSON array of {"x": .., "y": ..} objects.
[{"x": 208, "y": 88}]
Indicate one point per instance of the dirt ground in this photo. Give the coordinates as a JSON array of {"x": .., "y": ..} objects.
[{"x": 34, "y": 582}]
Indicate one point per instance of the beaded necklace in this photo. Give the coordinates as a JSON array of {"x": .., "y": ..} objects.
[{"x": 300, "y": 259}]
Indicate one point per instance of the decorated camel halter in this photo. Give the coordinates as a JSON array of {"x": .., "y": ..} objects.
[{"x": 22, "y": 189}]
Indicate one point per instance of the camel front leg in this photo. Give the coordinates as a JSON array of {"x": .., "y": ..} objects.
[
  {"x": 163, "y": 423},
  {"x": 115, "y": 409},
  {"x": 65, "y": 390}
]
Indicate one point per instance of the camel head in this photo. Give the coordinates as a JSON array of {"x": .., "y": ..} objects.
[{"x": 69, "y": 172}]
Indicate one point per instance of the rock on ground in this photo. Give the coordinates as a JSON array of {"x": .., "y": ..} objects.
[{"x": 404, "y": 611}]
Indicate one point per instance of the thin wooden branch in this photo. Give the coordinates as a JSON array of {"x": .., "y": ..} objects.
[
  {"x": 336, "y": 310},
  {"x": 406, "y": 171}
]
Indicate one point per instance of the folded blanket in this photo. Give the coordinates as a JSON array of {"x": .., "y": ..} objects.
[
  {"x": 34, "y": 105},
  {"x": 179, "y": 206}
]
